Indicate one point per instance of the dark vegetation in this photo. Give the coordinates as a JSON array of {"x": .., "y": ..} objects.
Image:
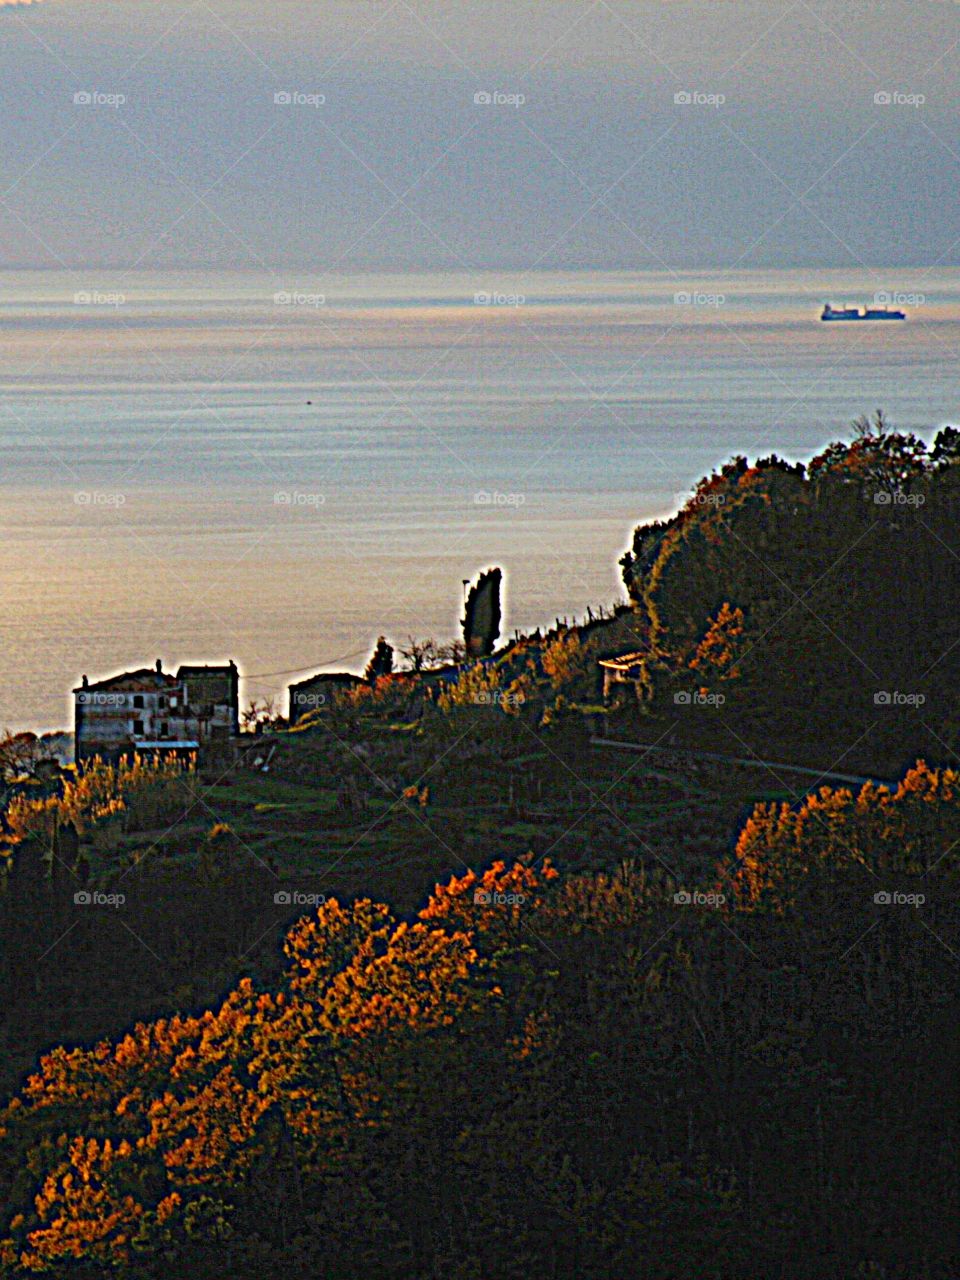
[
  {"x": 821, "y": 603},
  {"x": 582, "y": 1076}
]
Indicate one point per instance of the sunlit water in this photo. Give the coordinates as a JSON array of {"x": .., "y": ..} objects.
[{"x": 166, "y": 489}]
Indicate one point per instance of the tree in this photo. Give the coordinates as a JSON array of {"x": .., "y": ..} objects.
[
  {"x": 381, "y": 661},
  {"x": 481, "y": 620},
  {"x": 885, "y": 459},
  {"x": 263, "y": 713},
  {"x": 19, "y": 754},
  {"x": 946, "y": 447},
  {"x": 454, "y": 652},
  {"x": 563, "y": 660},
  {"x": 420, "y": 653}
]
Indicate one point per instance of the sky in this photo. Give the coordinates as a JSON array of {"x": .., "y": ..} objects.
[{"x": 620, "y": 134}]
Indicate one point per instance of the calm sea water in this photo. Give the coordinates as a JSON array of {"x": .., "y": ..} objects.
[{"x": 166, "y": 489}]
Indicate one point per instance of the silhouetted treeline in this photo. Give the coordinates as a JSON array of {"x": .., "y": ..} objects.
[{"x": 845, "y": 580}]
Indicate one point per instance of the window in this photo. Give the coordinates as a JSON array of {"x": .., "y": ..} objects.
[
  {"x": 173, "y": 700},
  {"x": 138, "y": 699},
  {"x": 164, "y": 729},
  {"x": 161, "y": 702},
  {"x": 138, "y": 728}
]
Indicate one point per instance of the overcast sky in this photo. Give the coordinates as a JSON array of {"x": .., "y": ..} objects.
[{"x": 146, "y": 132}]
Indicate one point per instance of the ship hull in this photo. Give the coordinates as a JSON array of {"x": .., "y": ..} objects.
[{"x": 854, "y": 319}]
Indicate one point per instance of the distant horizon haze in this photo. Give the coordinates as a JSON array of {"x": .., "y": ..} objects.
[{"x": 650, "y": 135}]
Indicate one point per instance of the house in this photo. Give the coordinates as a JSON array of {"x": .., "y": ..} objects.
[
  {"x": 316, "y": 692},
  {"x": 211, "y": 702},
  {"x": 151, "y": 711},
  {"x": 625, "y": 668}
]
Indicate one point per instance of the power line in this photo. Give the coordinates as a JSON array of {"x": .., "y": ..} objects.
[{"x": 294, "y": 671}]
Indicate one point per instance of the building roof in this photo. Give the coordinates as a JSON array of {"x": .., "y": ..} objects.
[
  {"x": 328, "y": 677},
  {"x": 155, "y": 677},
  {"x": 624, "y": 661},
  {"x": 225, "y": 669},
  {"x": 142, "y": 678}
]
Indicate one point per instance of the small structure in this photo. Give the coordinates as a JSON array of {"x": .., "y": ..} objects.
[
  {"x": 626, "y": 668},
  {"x": 152, "y": 711},
  {"x": 316, "y": 692}
]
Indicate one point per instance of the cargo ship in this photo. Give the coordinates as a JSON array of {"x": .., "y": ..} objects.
[{"x": 854, "y": 313}]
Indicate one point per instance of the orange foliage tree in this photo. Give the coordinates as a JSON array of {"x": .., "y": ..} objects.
[
  {"x": 911, "y": 829},
  {"x": 126, "y": 1142}
]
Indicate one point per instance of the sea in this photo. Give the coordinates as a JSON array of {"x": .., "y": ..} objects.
[{"x": 278, "y": 469}]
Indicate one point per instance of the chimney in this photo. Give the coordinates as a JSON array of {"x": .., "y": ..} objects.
[
  {"x": 85, "y": 682},
  {"x": 159, "y": 666}
]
